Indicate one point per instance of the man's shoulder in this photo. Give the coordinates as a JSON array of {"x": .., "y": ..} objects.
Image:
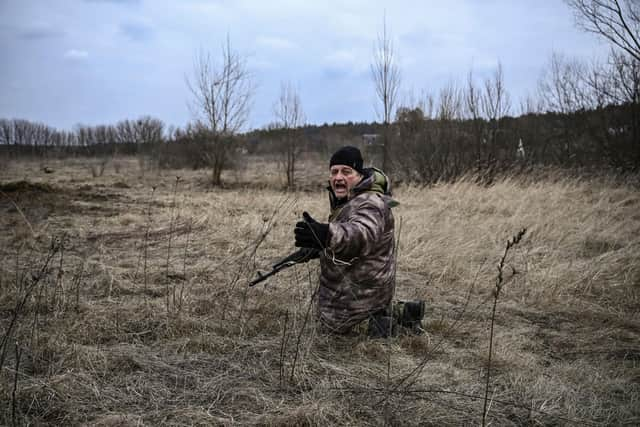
[{"x": 369, "y": 199}]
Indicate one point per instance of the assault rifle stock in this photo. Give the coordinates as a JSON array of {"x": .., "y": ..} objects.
[{"x": 298, "y": 257}]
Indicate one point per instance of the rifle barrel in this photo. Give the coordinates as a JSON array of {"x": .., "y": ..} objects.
[{"x": 301, "y": 255}]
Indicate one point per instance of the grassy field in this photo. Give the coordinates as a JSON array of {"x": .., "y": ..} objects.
[{"x": 124, "y": 301}]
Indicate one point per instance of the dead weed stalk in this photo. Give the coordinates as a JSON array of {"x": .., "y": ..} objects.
[
  {"x": 14, "y": 401},
  {"x": 171, "y": 223},
  {"x": 59, "y": 301},
  {"x": 146, "y": 245},
  {"x": 75, "y": 284},
  {"x": 388, "y": 383},
  {"x": 500, "y": 282},
  {"x": 301, "y": 331},
  {"x": 283, "y": 346},
  {"x": 184, "y": 265}
]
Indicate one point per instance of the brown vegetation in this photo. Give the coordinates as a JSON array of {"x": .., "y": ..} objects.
[{"x": 129, "y": 301}]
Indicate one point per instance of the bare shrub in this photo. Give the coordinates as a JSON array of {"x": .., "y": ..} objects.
[
  {"x": 117, "y": 165},
  {"x": 97, "y": 167}
]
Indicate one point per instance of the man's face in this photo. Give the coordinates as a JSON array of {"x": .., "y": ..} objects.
[{"x": 342, "y": 179}]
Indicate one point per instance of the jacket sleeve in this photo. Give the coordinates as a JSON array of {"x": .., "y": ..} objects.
[{"x": 358, "y": 234}]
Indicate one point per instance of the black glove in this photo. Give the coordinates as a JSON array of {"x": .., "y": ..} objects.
[{"x": 310, "y": 233}]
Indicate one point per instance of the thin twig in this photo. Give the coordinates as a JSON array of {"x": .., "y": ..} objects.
[
  {"x": 283, "y": 346},
  {"x": 396, "y": 251},
  {"x": 33, "y": 234},
  {"x": 146, "y": 244},
  {"x": 184, "y": 266},
  {"x": 15, "y": 385},
  {"x": 21, "y": 302},
  {"x": 173, "y": 208},
  {"x": 59, "y": 283},
  {"x": 76, "y": 281},
  {"x": 267, "y": 227},
  {"x": 302, "y": 328}
]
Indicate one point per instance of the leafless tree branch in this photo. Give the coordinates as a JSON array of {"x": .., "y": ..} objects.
[{"x": 618, "y": 21}]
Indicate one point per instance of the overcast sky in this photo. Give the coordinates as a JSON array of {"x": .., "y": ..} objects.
[{"x": 99, "y": 61}]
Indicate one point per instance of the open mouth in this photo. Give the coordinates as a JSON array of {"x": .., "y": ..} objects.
[{"x": 340, "y": 186}]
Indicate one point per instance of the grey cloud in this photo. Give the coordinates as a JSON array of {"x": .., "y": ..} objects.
[
  {"x": 136, "y": 31},
  {"x": 39, "y": 33}
]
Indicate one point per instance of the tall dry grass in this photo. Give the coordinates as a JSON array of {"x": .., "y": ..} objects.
[{"x": 101, "y": 343}]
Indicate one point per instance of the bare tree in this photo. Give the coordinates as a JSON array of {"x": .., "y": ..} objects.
[
  {"x": 221, "y": 101},
  {"x": 418, "y": 132},
  {"x": 626, "y": 78},
  {"x": 411, "y": 123},
  {"x": 472, "y": 108},
  {"x": 472, "y": 98},
  {"x": 6, "y": 132},
  {"x": 148, "y": 130},
  {"x": 496, "y": 102},
  {"x": 141, "y": 131},
  {"x": 386, "y": 79},
  {"x": 616, "y": 82},
  {"x": 289, "y": 117},
  {"x": 563, "y": 90},
  {"x": 449, "y": 103},
  {"x": 618, "y": 21},
  {"x": 529, "y": 104},
  {"x": 447, "y": 152},
  {"x": 561, "y": 86}
]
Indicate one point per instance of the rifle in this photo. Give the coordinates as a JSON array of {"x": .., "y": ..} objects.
[{"x": 298, "y": 257}]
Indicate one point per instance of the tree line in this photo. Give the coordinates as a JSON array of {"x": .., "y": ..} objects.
[{"x": 23, "y": 137}]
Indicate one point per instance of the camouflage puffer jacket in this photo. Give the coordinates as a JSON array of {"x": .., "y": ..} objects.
[{"x": 358, "y": 267}]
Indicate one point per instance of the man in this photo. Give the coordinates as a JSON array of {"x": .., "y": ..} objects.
[{"x": 357, "y": 251}]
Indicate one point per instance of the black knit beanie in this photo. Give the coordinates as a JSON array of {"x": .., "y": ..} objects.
[{"x": 348, "y": 156}]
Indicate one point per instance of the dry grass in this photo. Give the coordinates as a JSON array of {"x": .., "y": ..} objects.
[{"x": 112, "y": 334}]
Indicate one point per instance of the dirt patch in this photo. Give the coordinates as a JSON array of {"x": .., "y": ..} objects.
[
  {"x": 25, "y": 200},
  {"x": 121, "y": 184},
  {"x": 26, "y": 187},
  {"x": 42, "y": 201}
]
